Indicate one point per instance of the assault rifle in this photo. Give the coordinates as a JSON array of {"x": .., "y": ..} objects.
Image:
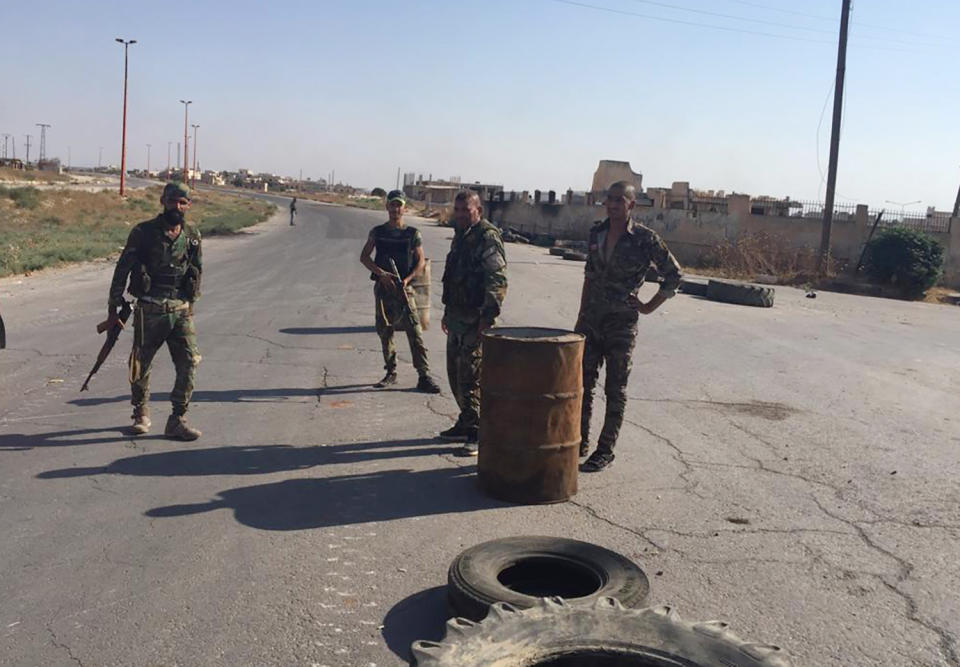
[
  {"x": 113, "y": 326},
  {"x": 404, "y": 298}
]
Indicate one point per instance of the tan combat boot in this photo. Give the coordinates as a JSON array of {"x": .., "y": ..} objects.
[
  {"x": 178, "y": 429},
  {"x": 141, "y": 420}
]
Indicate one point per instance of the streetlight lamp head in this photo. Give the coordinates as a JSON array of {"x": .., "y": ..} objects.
[
  {"x": 118, "y": 40},
  {"x": 132, "y": 41}
]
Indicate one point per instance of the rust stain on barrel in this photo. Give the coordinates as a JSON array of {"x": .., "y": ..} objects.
[{"x": 531, "y": 388}]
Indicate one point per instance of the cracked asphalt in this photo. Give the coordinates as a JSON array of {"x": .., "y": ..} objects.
[{"x": 792, "y": 471}]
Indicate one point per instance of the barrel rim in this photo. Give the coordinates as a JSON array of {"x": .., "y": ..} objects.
[{"x": 549, "y": 334}]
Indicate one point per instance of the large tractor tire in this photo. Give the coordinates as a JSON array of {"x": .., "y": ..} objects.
[
  {"x": 606, "y": 634},
  {"x": 693, "y": 287},
  {"x": 744, "y": 294},
  {"x": 521, "y": 570},
  {"x": 575, "y": 256}
]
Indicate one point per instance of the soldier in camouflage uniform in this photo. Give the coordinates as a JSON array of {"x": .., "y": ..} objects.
[
  {"x": 474, "y": 286},
  {"x": 163, "y": 260},
  {"x": 620, "y": 252},
  {"x": 394, "y": 240}
]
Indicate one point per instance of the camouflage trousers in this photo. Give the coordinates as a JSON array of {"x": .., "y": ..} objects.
[
  {"x": 152, "y": 327},
  {"x": 390, "y": 314},
  {"x": 609, "y": 338},
  {"x": 463, "y": 372}
]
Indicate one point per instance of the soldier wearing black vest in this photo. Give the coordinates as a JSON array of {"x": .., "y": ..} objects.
[
  {"x": 393, "y": 240},
  {"x": 163, "y": 261}
]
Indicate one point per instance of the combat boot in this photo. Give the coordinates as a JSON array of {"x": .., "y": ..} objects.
[
  {"x": 178, "y": 429},
  {"x": 471, "y": 446},
  {"x": 428, "y": 385},
  {"x": 388, "y": 379},
  {"x": 141, "y": 420}
]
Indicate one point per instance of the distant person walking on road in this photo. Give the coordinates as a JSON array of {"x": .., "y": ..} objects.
[
  {"x": 162, "y": 258},
  {"x": 293, "y": 209},
  {"x": 620, "y": 252},
  {"x": 474, "y": 286},
  {"x": 397, "y": 242}
]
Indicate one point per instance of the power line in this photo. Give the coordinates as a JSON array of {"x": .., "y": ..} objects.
[
  {"x": 731, "y": 16},
  {"x": 714, "y": 26},
  {"x": 692, "y": 23},
  {"x": 785, "y": 11},
  {"x": 834, "y": 21}
]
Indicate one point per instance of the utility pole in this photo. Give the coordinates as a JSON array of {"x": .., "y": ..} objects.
[
  {"x": 28, "y": 148},
  {"x": 823, "y": 263},
  {"x": 186, "y": 106},
  {"x": 956, "y": 205},
  {"x": 69, "y": 157},
  {"x": 194, "y": 182},
  {"x": 398, "y": 178},
  {"x": 123, "y": 134},
  {"x": 148, "y": 160},
  {"x": 43, "y": 144},
  {"x": 168, "y": 157},
  {"x": 178, "y": 153},
  {"x": 100, "y": 158},
  {"x": 5, "y": 142}
]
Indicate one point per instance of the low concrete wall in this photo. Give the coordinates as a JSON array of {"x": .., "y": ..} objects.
[{"x": 692, "y": 236}]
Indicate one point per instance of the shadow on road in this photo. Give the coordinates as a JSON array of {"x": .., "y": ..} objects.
[
  {"x": 275, "y": 395},
  {"x": 14, "y": 442},
  {"x": 304, "y": 331},
  {"x": 254, "y": 460},
  {"x": 423, "y": 615},
  {"x": 302, "y": 504}
]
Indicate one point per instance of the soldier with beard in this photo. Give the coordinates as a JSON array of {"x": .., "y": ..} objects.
[{"x": 162, "y": 258}]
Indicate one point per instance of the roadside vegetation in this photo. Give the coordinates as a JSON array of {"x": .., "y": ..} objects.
[
  {"x": 43, "y": 228},
  {"x": 8, "y": 174}
]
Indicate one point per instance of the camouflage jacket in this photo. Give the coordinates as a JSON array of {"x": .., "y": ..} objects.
[
  {"x": 475, "y": 275},
  {"x": 159, "y": 268},
  {"x": 611, "y": 281}
]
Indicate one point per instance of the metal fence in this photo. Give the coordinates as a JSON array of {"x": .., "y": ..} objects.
[
  {"x": 814, "y": 210},
  {"x": 924, "y": 222}
]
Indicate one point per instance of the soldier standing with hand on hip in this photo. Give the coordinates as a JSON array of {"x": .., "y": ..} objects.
[
  {"x": 402, "y": 245},
  {"x": 163, "y": 260},
  {"x": 620, "y": 252},
  {"x": 474, "y": 286}
]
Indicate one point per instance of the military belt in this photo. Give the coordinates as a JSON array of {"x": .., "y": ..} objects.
[{"x": 162, "y": 306}]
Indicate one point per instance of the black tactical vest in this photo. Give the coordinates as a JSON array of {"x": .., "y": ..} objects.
[
  {"x": 164, "y": 266},
  {"x": 395, "y": 244}
]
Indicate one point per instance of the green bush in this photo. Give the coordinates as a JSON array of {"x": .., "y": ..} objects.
[
  {"x": 905, "y": 258},
  {"x": 378, "y": 192},
  {"x": 24, "y": 197}
]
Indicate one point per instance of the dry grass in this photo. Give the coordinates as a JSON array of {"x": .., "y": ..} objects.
[
  {"x": 762, "y": 255},
  {"x": 32, "y": 175},
  {"x": 41, "y": 228}
]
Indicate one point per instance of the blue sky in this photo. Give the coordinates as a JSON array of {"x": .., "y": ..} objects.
[{"x": 527, "y": 93}]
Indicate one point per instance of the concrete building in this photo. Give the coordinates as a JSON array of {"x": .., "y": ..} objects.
[{"x": 611, "y": 171}]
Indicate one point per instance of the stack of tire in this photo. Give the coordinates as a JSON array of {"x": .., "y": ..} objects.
[{"x": 602, "y": 623}]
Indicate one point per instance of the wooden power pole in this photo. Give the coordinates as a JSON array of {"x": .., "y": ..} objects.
[{"x": 823, "y": 263}]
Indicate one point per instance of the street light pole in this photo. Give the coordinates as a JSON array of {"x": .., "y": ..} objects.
[
  {"x": 148, "y": 160},
  {"x": 168, "y": 157},
  {"x": 194, "y": 182},
  {"x": 123, "y": 136},
  {"x": 902, "y": 205},
  {"x": 186, "y": 106}
]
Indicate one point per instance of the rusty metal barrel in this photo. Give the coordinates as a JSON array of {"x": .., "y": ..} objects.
[
  {"x": 531, "y": 388},
  {"x": 421, "y": 295}
]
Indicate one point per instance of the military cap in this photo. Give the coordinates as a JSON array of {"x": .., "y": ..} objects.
[
  {"x": 396, "y": 195},
  {"x": 176, "y": 189}
]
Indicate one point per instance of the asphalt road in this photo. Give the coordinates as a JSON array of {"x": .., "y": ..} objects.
[{"x": 792, "y": 471}]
